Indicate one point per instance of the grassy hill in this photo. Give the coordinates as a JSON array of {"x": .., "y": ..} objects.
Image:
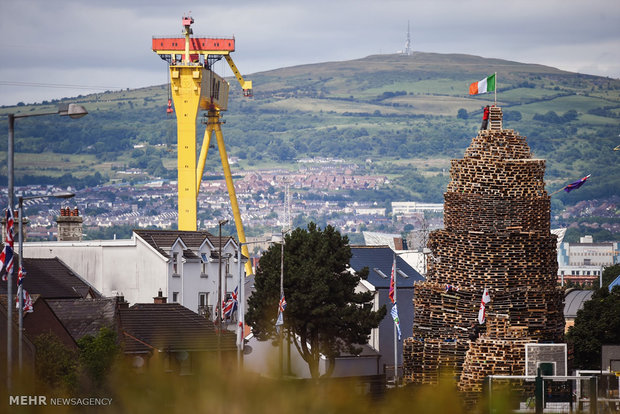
[{"x": 408, "y": 114}]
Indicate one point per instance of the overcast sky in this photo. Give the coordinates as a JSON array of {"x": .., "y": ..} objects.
[{"x": 60, "y": 48}]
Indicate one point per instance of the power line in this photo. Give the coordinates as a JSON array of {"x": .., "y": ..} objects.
[{"x": 58, "y": 85}]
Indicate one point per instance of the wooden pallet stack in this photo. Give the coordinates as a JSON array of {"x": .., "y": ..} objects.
[
  {"x": 496, "y": 236},
  {"x": 500, "y": 351}
]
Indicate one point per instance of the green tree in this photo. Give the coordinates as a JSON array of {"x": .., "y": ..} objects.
[
  {"x": 98, "y": 354},
  {"x": 462, "y": 113},
  {"x": 610, "y": 273},
  {"x": 598, "y": 323},
  {"x": 55, "y": 363},
  {"x": 324, "y": 315}
]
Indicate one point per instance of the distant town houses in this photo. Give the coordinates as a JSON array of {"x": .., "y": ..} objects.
[{"x": 153, "y": 204}]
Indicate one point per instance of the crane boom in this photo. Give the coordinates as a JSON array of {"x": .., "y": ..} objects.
[{"x": 245, "y": 85}]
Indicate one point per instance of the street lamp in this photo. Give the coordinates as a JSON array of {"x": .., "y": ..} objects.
[
  {"x": 281, "y": 332},
  {"x": 74, "y": 111},
  {"x": 219, "y": 284},
  {"x": 64, "y": 195}
]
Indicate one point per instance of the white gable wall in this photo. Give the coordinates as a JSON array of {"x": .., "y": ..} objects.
[
  {"x": 136, "y": 270},
  {"x": 113, "y": 267}
]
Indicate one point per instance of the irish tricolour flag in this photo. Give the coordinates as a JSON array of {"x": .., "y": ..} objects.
[{"x": 485, "y": 85}]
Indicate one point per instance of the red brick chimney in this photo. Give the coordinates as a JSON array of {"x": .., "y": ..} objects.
[
  {"x": 159, "y": 298},
  {"x": 121, "y": 303},
  {"x": 69, "y": 224}
]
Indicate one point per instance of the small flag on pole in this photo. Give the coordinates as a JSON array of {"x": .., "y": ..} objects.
[
  {"x": 486, "y": 298},
  {"x": 575, "y": 185},
  {"x": 394, "y": 313},
  {"x": 20, "y": 276},
  {"x": 230, "y": 306},
  {"x": 392, "y": 280},
  {"x": 281, "y": 307},
  {"x": 485, "y": 85},
  {"x": 6, "y": 257},
  {"x": 27, "y": 300}
]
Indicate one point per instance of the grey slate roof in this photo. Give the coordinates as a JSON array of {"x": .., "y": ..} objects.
[
  {"x": 162, "y": 240},
  {"x": 574, "y": 301},
  {"x": 52, "y": 279},
  {"x": 381, "y": 259},
  {"x": 169, "y": 327},
  {"x": 84, "y": 316}
]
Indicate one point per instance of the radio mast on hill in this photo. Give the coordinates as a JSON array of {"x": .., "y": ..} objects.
[{"x": 408, "y": 50}]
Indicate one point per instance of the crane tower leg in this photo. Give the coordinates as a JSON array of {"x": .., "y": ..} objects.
[
  {"x": 185, "y": 85},
  {"x": 202, "y": 159},
  {"x": 215, "y": 120}
]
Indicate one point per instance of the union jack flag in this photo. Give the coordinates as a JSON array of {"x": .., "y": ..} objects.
[
  {"x": 27, "y": 300},
  {"x": 6, "y": 257},
  {"x": 282, "y": 304},
  {"x": 281, "y": 307},
  {"x": 20, "y": 276},
  {"x": 230, "y": 306}
]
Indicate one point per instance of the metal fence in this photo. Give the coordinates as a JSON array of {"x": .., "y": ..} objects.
[{"x": 555, "y": 394}]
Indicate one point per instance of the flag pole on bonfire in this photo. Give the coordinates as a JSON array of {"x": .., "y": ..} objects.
[{"x": 495, "y": 88}]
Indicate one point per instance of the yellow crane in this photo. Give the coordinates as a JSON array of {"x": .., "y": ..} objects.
[{"x": 194, "y": 86}]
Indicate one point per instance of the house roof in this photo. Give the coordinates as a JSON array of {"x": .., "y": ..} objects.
[
  {"x": 574, "y": 301},
  {"x": 379, "y": 261},
  {"x": 52, "y": 279},
  {"x": 395, "y": 241},
  {"x": 163, "y": 240},
  {"x": 170, "y": 327},
  {"x": 84, "y": 316}
]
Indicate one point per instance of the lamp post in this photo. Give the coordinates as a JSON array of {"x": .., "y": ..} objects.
[
  {"x": 281, "y": 296},
  {"x": 73, "y": 111},
  {"x": 281, "y": 331},
  {"x": 21, "y": 199},
  {"x": 219, "y": 284}
]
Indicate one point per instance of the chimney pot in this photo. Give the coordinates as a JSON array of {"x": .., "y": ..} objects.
[
  {"x": 121, "y": 303},
  {"x": 160, "y": 298}
]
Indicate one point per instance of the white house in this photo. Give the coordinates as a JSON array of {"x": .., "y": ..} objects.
[{"x": 183, "y": 265}]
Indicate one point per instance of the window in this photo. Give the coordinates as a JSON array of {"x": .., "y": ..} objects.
[
  {"x": 203, "y": 299},
  {"x": 204, "y": 308},
  {"x": 203, "y": 267},
  {"x": 175, "y": 263},
  {"x": 175, "y": 297}
]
